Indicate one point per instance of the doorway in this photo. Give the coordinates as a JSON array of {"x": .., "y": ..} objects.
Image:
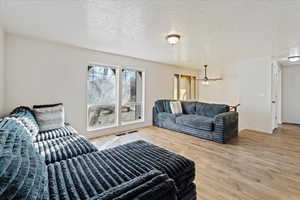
[
  {"x": 291, "y": 94},
  {"x": 185, "y": 87}
]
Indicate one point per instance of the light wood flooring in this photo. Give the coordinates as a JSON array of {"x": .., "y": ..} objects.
[{"x": 254, "y": 166}]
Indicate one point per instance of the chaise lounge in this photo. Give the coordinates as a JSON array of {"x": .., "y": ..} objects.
[
  {"x": 208, "y": 121},
  {"x": 61, "y": 164}
]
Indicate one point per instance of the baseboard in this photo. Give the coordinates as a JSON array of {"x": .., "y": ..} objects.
[{"x": 117, "y": 130}]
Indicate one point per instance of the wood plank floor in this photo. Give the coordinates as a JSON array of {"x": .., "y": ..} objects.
[{"x": 254, "y": 166}]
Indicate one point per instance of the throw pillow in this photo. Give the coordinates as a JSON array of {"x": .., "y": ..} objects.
[
  {"x": 176, "y": 107},
  {"x": 49, "y": 117}
]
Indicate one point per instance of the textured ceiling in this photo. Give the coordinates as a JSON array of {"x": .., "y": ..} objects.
[{"x": 213, "y": 31}]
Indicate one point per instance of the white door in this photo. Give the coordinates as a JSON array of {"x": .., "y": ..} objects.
[
  {"x": 255, "y": 112},
  {"x": 291, "y": 94}
]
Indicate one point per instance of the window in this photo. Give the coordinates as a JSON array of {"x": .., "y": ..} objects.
[
  {"x": 102, "y": 96},
  {"x": 132, "y": 95},
  {"x": 107, "y": 88},
  {"x": 185, "y": 87}
]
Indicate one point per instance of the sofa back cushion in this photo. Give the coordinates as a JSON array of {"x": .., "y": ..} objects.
[
  {"x": 23, "y": 173},
  {"x": 163, "y": 105},
  {"x": 210, "y": 110},
  {"x": 49, "y": 117},
  {"x": 193, "y": 107},
  {"x": 25, "y": 116},
  {"x": 189, "y": 107}
]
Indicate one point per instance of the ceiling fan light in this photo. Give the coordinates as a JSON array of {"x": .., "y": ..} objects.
[
  {"x": 205, "y": 82},
  {"x": 294, "y": 55},
  {"x": 173, "y": 38},
  {"x": 293, "y": 58}
]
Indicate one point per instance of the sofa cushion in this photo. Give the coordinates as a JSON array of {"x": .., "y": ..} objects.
[
  {"x": 210, "y": 110},
  {"x": 196, "y": 121},
  {"x": 49, "y": 117},
  {"x": 87, "y": 175},
  {"x": 153, "y": 185},
  {"x": 67, "y": 130},
  {"x": 163, "y": 106},
  {"x": 188, "y": 107},
  {"x": 62, "y": 148}
]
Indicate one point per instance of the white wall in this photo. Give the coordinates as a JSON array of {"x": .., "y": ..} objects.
[
  {"x": 291, "y": 94},
  {"x": 255, "y": 94},
  {"x": 224, "y": 91},
  {"x": 41, "y": 72},
  {"x": 1, "y": 71}
]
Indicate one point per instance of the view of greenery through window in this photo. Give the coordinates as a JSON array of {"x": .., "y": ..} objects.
[{"x": 103, "y": 96}]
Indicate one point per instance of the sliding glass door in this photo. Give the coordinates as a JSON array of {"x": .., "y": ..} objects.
[
  {"x": 132, "y": 95},
  {"x": 102, "y": 96},
  {"x": 115, "y": 96}
]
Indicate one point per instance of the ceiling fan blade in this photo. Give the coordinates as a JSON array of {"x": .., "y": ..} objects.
[
  {"x": 215, "y": 79},
  {"x": 211, "y": 79}
]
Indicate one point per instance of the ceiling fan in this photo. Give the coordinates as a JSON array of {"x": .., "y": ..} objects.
[{"x": 205, "y": 80}]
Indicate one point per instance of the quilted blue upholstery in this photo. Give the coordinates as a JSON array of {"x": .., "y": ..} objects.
[
  {"x": 56, "y": 133},
  {"x": 62, "y": 148},
  {"x": 189, "y": 107},
  {"x": 164, "y": 117},
  {"x": 163, "y": 106},
  {"x": 94, "y": 173},
  {"x": 60, "y": 164},
  {"x": 196, "y": 121},
  {"x": 26, "y": 116},
  {"x": 23, "y": 172},
  {"x": 210, "y": 110},
  {"x": 208, "y": 121},
  {"x": 153, "y": 181}
]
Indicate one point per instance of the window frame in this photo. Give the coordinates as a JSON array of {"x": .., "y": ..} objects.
[{"x": 119, "y": 76}]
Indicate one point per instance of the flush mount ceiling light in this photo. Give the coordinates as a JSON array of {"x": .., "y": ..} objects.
[
  {"x": 294, "y": 55},
  {"x": 173, "y": 38}
]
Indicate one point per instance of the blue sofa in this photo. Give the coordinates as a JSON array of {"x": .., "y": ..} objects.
[
  {"x": 208, "y": 121},
  {"x": 61, "y": 164}
]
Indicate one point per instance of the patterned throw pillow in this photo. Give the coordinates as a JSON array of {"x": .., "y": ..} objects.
[
  {"x": 49, "y": 117},
  {"x": 176, "y": 107}
]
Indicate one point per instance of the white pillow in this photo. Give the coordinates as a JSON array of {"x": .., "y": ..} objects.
[
  {"x": 49, "y": 117},
  {"x": 176, "y": 107}
]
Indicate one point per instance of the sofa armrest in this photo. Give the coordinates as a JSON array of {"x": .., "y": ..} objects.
[
  {"x": 160, "y": 118},
  {"x": 154, "y": 116},
  {"x": 153, "y": 185},
  {"x": 226, "y": 126}
]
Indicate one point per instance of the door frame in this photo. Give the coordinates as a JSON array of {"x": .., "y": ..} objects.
[{"x": 276, "y": 94}]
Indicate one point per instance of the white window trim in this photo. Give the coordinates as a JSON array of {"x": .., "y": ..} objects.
[{"x": 119, "y": 100}]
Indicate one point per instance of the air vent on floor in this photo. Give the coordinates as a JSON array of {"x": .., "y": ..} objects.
[{"x": 126, "y": 133}]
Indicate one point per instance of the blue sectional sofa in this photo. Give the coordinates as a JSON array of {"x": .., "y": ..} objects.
[
  {"x": 208, "y": 121},
  {"x": 61, "y": 164}
]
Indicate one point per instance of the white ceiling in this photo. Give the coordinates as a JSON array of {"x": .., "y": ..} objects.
[{"x": 213, "y": 31}]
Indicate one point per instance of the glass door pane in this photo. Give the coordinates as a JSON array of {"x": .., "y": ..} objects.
[
  {"x": 176, "y": 84},
  {"x": 102, "y": 96},
  {"x": 185, "y": 88},
  {"x": 132, "y": 95}
]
